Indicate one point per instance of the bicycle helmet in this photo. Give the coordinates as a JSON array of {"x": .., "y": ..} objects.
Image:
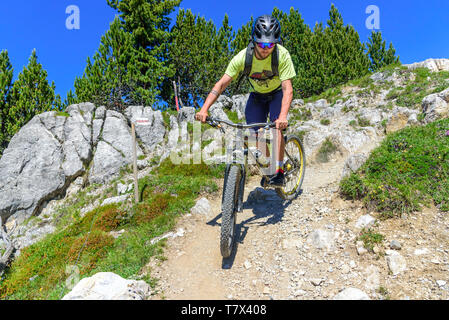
[{"x": 266, "y": 29}]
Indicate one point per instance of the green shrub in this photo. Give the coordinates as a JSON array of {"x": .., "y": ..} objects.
[
  {"x": 370, "y": 238},
  {"x": 326, "y": 150},
  {"x": 409, "y": 169}
]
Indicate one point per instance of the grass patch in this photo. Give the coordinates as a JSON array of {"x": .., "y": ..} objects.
[
  {"x": 363, "y": 82},
  {"x": 326, "y": 150},
  {"x": 409, "y": 169},
  {"x": 370, "y": 239},
  {"x": 331, "y": 95},
  {"x": 166, "y": 116},
  {"x": 62, "y": 114},
  {"x": 362, "y": 121},
  {"x": 353, "y": 123},
  {"x": 301, "y": 114},
  {"x": 233, "y": 116},
  {"x": 325, "y": 122},
  {"x": 170, "y": 191}
]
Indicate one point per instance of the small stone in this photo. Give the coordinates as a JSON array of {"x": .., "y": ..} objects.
[
  {"x": 322, "y": 239},
  {"x": 365, "y": 221},
  {"x": 395, "y": 245},
  {"x": 396, "y": 262},
  {"x": 345, "y": 269},
  {"x": 266, "y": 290},
  {"x": 351, "y": 294},
  {"x": 420, "y": 252},
  {"x": 435, "y": 261},
  {"x": 34, "y": 277},
  {"x": 376, "y": 249},
  {"x": 299, "y": 292},
  {"x": 361, "y": 250},
  {"x": 441, "y": 283},
  {"x": 316, "y": 282},
  {"x": 247, "y": 265},
  {"x": 202, "y": 207}
]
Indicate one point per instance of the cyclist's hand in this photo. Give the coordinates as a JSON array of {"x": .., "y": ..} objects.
[
  {"x": 281, "y": 123},
  {"x": 201, "y": 116}
]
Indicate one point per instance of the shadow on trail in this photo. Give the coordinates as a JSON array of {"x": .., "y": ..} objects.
[{"x": 267, "y": 210}]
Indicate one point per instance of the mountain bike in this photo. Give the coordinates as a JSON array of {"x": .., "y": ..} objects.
[{"x": 235, "y": 176}]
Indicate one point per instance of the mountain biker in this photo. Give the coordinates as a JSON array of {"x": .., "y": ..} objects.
[{"x": 272, "y": 93}]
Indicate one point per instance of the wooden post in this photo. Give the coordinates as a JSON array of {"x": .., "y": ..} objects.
[{"x": 136, "y": 184}]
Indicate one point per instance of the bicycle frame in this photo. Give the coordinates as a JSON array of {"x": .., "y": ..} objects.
[{"x": 246, "y": 150}]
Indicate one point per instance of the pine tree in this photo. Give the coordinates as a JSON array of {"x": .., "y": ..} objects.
[
  {"x": 242, "y": 37},
  {"x": 294, "y": 31},
  {"x": 148, "y": 21},
  {"x": 6, "y": 75},
  {"x": 91, "y": 87},
  {"x": 239, "y": 42},
  {"x": 199, "y": 53},
  {"x": 346, "y": 59},
  {"x": 121, "y": 73},
  {"x": 70, "y": 99},
  {"x": 31, "y": 94},
  {"x": 379, "y": 56}
]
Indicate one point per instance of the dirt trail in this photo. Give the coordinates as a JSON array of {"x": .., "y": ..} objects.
[
  {"x": 275, "y": 258},
  {"x": 194, "y": 268}
]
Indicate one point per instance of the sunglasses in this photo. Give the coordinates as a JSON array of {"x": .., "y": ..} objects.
[{"x": 264, "y": 45}]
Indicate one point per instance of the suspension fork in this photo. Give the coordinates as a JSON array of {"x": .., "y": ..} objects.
[{"x": 241, "y": 184}]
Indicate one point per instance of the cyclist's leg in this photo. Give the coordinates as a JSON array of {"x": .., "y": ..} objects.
[
  {"x": 275, "y": 110},
  {"x": 257, "y": 111}
]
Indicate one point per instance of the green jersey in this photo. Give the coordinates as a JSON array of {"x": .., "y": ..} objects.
[{"x": 261, "y": 75}]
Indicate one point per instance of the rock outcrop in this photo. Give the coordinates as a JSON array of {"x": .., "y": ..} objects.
[
  {"x": 108, "y": 286},
  {"x": 54, "y": 149},
  {"x": 434, "y": 65}
]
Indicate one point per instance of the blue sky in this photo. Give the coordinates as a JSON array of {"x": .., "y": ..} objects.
[{"x": 418, "y": 29}]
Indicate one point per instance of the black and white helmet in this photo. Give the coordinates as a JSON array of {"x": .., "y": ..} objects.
[{"x": 266, "y": 29}]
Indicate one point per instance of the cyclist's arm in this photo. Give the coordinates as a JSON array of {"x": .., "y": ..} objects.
[
  {"x": 217, "y": 90},
  {"x": 287, "y": 90}
]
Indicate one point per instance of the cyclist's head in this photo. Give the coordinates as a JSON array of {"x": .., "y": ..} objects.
[{"x": 266, "y": 29}]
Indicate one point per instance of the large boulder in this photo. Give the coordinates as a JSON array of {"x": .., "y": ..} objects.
[
  {"x": 54, "y": 149},
  {"x": 114, "y": 150},
  {"x": 353, "y": 163},
  {"x": 436, "y": 106},
  {"x": 186, "y": 114},
  {"x": 400, "y": 118},
  {"x": 109, "y": 286},
  {"x": 150, "y": 135},
  {"x": 42, "y": 159},
  {"x": 239, "y": 104},
  {"x": 434, "y": 65}
]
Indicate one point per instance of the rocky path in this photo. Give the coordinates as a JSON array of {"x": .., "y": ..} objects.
[{"x": 306, "y": 249}]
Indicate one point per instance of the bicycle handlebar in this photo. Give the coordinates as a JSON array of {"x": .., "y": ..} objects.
[{"x": 240, "y": 125}]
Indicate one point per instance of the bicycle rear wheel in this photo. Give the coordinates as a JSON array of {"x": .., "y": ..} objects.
[
  {"x": 294, "y": 167},
  {"x": 229, "y": 209}
]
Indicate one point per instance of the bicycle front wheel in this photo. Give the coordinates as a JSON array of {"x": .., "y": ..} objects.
[
  {"x": 229, "y": 209},
  {"x": 294, "y": 167}
]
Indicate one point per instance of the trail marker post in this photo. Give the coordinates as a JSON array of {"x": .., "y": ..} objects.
[{"x": 139, "y": 122}]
